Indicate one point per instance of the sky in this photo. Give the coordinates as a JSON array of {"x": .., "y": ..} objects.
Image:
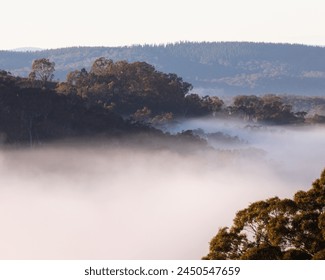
[{"x": 65, "y": 23}]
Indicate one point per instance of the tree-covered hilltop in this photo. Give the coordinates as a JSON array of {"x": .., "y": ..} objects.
[
  {"x": 118, "y": 96},
  {"x": 32, "y": 114},
  {"x": 137, "y": 89},
  {"x": 225, "y": 67},
  {"x": 276, "y": 229},
  {"x": 109, "y": 101}
]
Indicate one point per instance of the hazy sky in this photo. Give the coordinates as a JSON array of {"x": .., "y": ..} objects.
[{"x": 61, "y": 23}]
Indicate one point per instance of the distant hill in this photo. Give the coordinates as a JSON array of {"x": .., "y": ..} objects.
[
  {"x": 221, "y": 68},
  {"x": 27, "y": 49}
]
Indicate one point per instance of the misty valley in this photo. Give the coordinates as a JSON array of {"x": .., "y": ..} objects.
[{"x": 122, "y": 161}]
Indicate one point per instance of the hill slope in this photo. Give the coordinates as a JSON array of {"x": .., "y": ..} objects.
[{"x": 223, "y": 68}]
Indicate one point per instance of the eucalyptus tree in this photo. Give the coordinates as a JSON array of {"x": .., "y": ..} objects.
[
  {"x": 43, "y": 70},
  {"x": 276, "y": 229}
]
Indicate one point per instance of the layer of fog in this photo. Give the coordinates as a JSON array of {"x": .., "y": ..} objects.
[
  {"x": 93, "y": 202},
  {"x": 293, "y": 151}
]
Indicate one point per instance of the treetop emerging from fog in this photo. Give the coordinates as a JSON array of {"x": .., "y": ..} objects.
[
  {"x": 276, "y": 229},
  {"x": 118, "y": 95}
]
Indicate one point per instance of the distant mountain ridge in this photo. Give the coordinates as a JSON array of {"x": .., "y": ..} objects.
[
  {"x": 223, "y": 68},
  {"x": 27, "y": 49}
]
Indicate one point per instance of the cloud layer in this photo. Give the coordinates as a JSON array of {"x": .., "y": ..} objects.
[{"x": 92, "y": 202}]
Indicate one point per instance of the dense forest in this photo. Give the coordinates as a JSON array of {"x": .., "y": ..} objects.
[
  {"x": 120, "y": 96},
  {"x": 111, "y": 100},
  {"x": 224, "y": 68},
  {"x": 117, "y": 100},
  {"x": 114, "y": 97},
  {"x": 276, "y": 229}
]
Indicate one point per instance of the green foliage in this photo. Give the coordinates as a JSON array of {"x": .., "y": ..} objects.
[{"x": 276, "y": 229}]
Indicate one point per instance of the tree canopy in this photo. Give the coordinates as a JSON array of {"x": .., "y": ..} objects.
[
  {"x": 134, "y": 91},
  {"x": 127, "y": 88},
  {"x": 268, "y": 108},
  {"x": 276, "y": 229},
  {"x": 32, "y": 114},
  {"x": 43, "y": 70},
  {"x": 130, "y": 87}
]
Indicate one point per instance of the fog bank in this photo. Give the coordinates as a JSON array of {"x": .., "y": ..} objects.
[{"x": 96, "y": 202}]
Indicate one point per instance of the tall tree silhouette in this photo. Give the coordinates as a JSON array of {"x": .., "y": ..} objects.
[{"x": 276, "y": 229}]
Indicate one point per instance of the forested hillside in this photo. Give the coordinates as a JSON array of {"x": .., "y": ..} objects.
[
  {"x": 122, "y": 104},
  {"x": 224, "y": 68},
  {"x": 121, "y": 97},
  {"x": 111, "y": 100}
]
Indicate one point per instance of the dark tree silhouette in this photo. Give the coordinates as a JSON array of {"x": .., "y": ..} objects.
[{"x": 276, "y": 229}]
